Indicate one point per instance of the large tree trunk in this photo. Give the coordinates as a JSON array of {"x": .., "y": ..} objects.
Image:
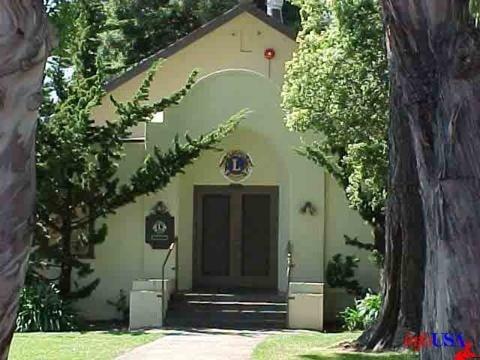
[
  {"x": 65, "y": 280},
  {"x": 403, "y": 273},
  {"x": 24, "y": 46},
  {"x": 436, "y": 47}
]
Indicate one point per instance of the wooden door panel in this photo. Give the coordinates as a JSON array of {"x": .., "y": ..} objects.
[
  {"x": 256, "y": 234},
  {"x": 216, "y": 235},
  {"x": 235, "y": 237}
]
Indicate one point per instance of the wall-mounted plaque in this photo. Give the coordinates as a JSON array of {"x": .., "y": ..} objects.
[
  {"x": 160, "y": 230},
  {"x": 236, "y": 165}
]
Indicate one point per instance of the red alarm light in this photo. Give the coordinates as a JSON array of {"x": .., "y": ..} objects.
[{"x": 269, "y": 54}]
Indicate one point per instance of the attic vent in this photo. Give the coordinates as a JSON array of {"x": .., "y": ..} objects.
[{"x": 274, "y": 9}]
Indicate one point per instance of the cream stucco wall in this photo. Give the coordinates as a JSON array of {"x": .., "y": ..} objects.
[
  {"x": 341, "y": 220},
  {"x": 234, "y": 76},
  {"x": 238, "y": 44}
]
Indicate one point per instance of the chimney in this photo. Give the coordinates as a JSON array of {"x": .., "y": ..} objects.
[{"x": 274, "y": 9}]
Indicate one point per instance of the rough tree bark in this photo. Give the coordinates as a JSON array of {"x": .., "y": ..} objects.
[
  {"x": 24, "y": 46},
  {"x": 436, "y": 48},
  {"x": 403, "y": 273}
]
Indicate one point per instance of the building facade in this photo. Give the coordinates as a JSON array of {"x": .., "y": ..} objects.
[{"x": 229, "y": 234}]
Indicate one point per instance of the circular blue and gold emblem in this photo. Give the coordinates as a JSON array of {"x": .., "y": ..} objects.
[{"x": 236, "y": 165}]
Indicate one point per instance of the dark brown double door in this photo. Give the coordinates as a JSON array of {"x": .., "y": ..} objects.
[{"x": 235, "y": 237}]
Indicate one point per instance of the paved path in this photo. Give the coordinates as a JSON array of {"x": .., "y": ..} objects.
[{"x": 208, "y": 344}]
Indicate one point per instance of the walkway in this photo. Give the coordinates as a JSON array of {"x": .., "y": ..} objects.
[{"x": 209, "y": 344}]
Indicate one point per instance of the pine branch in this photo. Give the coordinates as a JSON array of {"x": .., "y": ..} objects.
[
  {"x": 78, "y": 160},
  {"x": 356, "y": 243},
  {"x": 133, "y": 112},
  {"x": 160, "y": 167}
]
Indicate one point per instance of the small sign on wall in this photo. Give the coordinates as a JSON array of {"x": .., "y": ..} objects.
[
  {"x": 160, "y": 230},
  {"x": 236, "y": 166}
]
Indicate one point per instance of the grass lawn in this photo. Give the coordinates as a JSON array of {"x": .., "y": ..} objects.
[
  {"x": 316, "y": 346},
  {"x": 76, "y": 346}
]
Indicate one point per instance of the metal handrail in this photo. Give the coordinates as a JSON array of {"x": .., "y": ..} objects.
[
  {"x": 170, "y": 249},
  {"x": 290, "y": 266}
]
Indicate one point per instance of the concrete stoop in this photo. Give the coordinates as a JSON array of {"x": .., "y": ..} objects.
[
  {"x": 227, "y": 310},
  {"x": 305, "y": 306},
  {"x": 233, "y": 309},
  {"x": 146, "y": 303}
]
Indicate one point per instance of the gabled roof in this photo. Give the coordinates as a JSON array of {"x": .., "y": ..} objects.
[{"x": 145, "y": 64}]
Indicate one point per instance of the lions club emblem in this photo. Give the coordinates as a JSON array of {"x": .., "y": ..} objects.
[
  {"x": 236, "y": 165},
  {"x": 160, "y": 227}
]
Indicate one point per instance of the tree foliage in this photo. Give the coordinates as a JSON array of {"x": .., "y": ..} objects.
[
  {"x": 62, "y": 15},
  {"x": 42, "y": 309},
  {"x": 78, "y": 159},
  {"x": 336, "y": 88},
  {"x": 340, "y": 273}
]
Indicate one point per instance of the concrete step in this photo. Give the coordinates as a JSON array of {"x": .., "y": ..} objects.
[
  {"x": 230, "y": 297},
  {"x": 225, "y": 320},
  {"x": 221, "y": 324},
  {"x": 230, "y": 315},
  {"x": 227, "y": 310},
  {"x": 228, "y": 306}
]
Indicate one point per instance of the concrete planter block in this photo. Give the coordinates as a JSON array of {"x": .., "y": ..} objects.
[
  {"x": 306, "y": 288},
  {"x": 336, "y": 300},
  {"x": 149, "y": 285},
  {"x": 305, "y": 311},
  {"x": 155, "y": 285},
  {"x": 145, "y": 310}
]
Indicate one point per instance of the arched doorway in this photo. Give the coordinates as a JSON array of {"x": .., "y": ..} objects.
[{"x": 263, "y": 136}]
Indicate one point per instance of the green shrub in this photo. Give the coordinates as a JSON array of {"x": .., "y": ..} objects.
[
  {"x": 42, "y": 309},
  {"x": 363, "y": 314},
  {"x": 121, "y": 305},
  {"x": 340, "y": 273}
]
